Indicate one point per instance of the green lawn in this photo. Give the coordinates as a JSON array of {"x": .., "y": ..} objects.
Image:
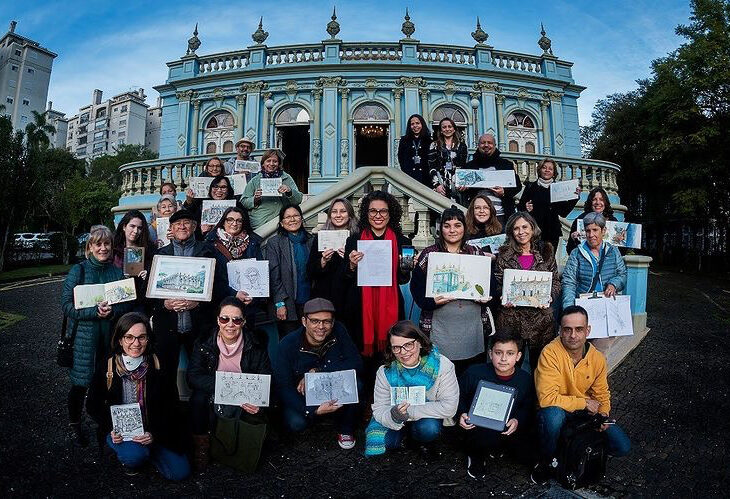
[{"x": 30, "y": 272}]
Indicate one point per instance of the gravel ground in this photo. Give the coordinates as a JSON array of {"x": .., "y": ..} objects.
[{"x": 670, "y": 394}]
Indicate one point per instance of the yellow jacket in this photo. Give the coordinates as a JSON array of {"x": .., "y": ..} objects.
[{"x": 561, "y": 384}]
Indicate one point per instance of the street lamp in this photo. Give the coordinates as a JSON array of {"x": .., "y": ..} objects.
[
  {"x": 268, "y": 104},
  {"x": 474, "y": 106}
]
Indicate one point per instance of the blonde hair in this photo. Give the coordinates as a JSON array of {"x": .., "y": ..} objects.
[
  {"x": 548, "y": 160},
  {"x": 97, "y": 234}
]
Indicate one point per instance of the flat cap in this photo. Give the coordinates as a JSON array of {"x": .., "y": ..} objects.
[
  {"x": 183, "y": 214},
  {"x": 318, "y": 305}
]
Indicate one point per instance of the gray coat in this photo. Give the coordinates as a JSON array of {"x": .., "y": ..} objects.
[{"x": 282, "y": 272}]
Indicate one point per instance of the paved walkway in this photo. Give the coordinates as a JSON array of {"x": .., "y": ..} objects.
[{"x": 671, "y": 395}]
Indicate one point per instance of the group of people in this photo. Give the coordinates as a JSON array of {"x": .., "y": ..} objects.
[{"x": 325, "y": 322}]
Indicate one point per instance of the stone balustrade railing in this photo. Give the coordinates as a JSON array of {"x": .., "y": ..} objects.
[
  {"x": 224, "y": 62},
  {"x": 296, "y": 54},
  {"x": 446, "y": 54},
  {"x": 516, "y": 62},
  {"x": 370, "y": 52}
]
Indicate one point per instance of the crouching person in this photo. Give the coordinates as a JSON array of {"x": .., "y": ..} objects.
[
  {"x": 572, "y": 376},
  {"x": 320, "y": 345},
  {"x": 230, "y": 347},
  {"x": 412, "y": 363},
  {"x": 504, "y": 352},
  {"x": 132, "y": 375}
]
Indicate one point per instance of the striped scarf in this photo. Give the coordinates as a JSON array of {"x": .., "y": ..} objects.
[
  {"x": 139, "y": 377},
  {"x": 424, "y": 374}
]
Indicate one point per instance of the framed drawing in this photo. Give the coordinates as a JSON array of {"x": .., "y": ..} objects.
[
  {"x": 526, "y": 288},
  {"x": 492, "y": 405},
  {"x": 458, "y": 276},
  {"x": 181, "y": 277}
]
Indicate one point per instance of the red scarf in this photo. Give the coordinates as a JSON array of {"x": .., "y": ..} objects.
[{"x": 379, "y": 304}]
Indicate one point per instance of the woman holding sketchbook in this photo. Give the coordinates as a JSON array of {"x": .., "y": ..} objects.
[
  {"x": 132, "y": 376},
  {"x": 525, "y": 251}
]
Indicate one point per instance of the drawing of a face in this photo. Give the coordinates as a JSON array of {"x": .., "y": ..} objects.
[{"x": 253, "y": 277}]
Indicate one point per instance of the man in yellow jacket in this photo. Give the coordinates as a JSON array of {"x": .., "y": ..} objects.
[{"x": 572, "y": 375}]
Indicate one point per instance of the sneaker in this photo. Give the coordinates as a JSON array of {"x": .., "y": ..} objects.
[
  {"x": 346, "y": 442},
  {"x": 475, "y": 467},
  {"x": 540, "y": 474}
]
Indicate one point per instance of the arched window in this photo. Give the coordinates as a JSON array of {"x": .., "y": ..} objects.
[
  {"x": 371, "y": 112},
  {"x": 522, "y": 132},
  {"x": 449, "y": 111},
  {"x": 218, "y": 133},
  {"x": 292, "y": 116}
]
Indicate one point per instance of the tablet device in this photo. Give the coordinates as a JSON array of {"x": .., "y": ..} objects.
[{"x": 492, "y": 405}]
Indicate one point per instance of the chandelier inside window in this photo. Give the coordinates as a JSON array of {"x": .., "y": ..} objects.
[{"x": 372, "y": 131}]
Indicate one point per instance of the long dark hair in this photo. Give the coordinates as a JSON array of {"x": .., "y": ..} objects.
[
  {"x": 509, "y": 231},
  {"x": 406, "y": 329},
  {"x": 282, "y": 230},
  {"x": 424, "y": 129},
  {"x": 229, "y": 191},
  {"x": 449, "y": 214},
  {"x": 124, "y": 324},
  {"x": 607, "y": 211},
  {"x": 492, "y": 226},
  {"x": 246, "y": 220},
  {"x": 120, "y": 240},
  {"x": 440, "y": 139},
  {"x": 394, "y": 210}
]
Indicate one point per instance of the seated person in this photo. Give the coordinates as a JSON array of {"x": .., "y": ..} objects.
[
  {"x": 132, "y": 375},
  {"x": 228, "y": 347},
  {"x": 595, "y": 265},
  {"x": 411, "y": 360},
  {"x": 571, "y": 376},
  {"x": 319, "y": 345},
  {"x": 504, "y": 352}
]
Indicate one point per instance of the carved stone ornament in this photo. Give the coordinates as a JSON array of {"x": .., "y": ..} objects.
[
  {"x": 479, "y": 35},
  {"x": 193, "y": 42},
  {"x": 411, "y": 81},
  {"x": 397, "y": 93},
  {"x": 424, "y": 93},
  {"x": 241, "y": 99},
  {"x": 330, "y": 81},
  {"x": 255, "y": 86},
  {"x": 371, "y": 84},
  {"x": 544, "y": 42},
  {"x": 333, "y": 27},
  {"x": 553, "y": 95},
  {"x": 344, "y": 92},
  {"x": 544, "y": 103},
  {"x": 408, "y": 28},
  {"x": 259, "y": 36},
  {"x": 184, "y": 96},
  {"x": 317, "y": 93},
  {"x": 483, "y": 86},
  {"x": 196, "y": 104},
  {"x": 449, "y": 87},
  {"x": 522, "y": 93},
  {"x": 499, "y": 99},
  {"x": 291, "y": 87}
]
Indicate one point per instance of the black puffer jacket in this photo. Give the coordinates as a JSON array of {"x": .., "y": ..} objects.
[{"x": 480, "y": 161}]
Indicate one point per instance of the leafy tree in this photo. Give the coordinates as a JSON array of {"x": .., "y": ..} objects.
[{"x": 13, "y": 181}]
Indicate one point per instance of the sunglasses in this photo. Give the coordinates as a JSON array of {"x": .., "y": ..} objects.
[{"x": 224, "y": 319}]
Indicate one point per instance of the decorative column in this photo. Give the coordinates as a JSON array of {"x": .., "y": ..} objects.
[
  {"x": 240, "y": 106},
  {"x": 397, "y": 93},
  {"x": 344, "y": 135},
  {"x": 183, "y": 109},
  {"x": 499, "y": 101},
  {"x": 330, "y": 149},
  {"x": 558, "y": 134},
  {"x": 637, "y": 273},
  {"x": 546, "y": 138},
  {"x": 194, "y": 135},
  {"x": 253, "y": 97},
  {"x": 316, "y": 141},
  {"x": 489, "y": 107},
  {"x": 424, "y": 103}
]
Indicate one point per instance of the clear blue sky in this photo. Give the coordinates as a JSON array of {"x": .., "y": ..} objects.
[{"x": 115, "y": 46}]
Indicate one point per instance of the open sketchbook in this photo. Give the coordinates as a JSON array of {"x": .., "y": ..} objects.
[
  {"x": 608, "y": 317},
  {"x": 90, "y": 295}
]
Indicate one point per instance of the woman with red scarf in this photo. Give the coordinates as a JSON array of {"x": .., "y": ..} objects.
[{"x": 372, "y": 310}]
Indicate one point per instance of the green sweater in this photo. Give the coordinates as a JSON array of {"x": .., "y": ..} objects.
[{"x": 270, "y": 206}]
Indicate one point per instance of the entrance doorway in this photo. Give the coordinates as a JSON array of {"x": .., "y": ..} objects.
[
  {"x": 371, "y": 145},
  {"x": 294, "y": 142}
]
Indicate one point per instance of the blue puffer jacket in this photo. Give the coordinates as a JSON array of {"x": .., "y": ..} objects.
[
  {"x": 93, "y": 335},
  {"x": 578, "y": 272}
]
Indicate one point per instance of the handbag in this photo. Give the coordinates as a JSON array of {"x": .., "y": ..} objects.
[
  {"x": 237, "y": 443},
  {"x": 65, "y": 346}
]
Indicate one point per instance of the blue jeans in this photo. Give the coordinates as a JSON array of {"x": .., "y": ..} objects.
[
  {"x": 424, "y": 431},
  {"x": 171, "y": 465},
  {"x": 346, "y": 417},
  {"x": 550, "y": 421}
]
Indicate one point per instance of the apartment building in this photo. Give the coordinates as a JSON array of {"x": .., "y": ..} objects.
[{"x": 58, "y": 120}]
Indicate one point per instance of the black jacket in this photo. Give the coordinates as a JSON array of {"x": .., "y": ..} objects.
[
  {"x": 480, "y": 160},
  {"x": 408, "y": 149},
  {"x": 438, "y": 158},
  {"x": 546, "y": 214},
  {"x": 322, "y": 279}
]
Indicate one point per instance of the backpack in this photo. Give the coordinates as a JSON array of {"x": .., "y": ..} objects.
[{"x": 582, "y": 452}]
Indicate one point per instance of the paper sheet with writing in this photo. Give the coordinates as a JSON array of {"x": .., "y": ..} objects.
[
  {"x": 376, "y": 266},
  {"x": 249, "y": 275},
  {"x": 608, "y": 317},
  {"x": 414, "y": 395},
  {"x": 564, "y": 191},
  {"x": 200, "y": 186},
  {"x": 127, "y": 420},
  {"x": 213, "y": 210},
  {"x": 163, "y": 226},
  {"x": 332, "y": 239},
  {"x": 270, "y": 186},
  {"x": 238, "y": 182},
  {"x": 322, "y": 387},
  {"x": 90, "y": 295},
  {"x": 484, "y": 178},
  {"x": 242, "y": 388}
]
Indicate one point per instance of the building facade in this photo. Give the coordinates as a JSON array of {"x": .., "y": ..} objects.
[
  {"x": 153, "y": 126},
  {"x": 59, "y": 122},
  {"x": 25, "y": 71}
]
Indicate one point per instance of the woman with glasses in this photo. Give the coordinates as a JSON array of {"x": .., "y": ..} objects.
[
  {"x": 323, "y": 266},
  {"x": 445, "y": 154},
  {"x": 230, "y": 347},
  {"x": 262, "y": 208},
  {"x": 132, "y": 375},
  {"x": 213, "y": 168},
  {"x": 220, "y": 189},
  {"x": 89, "y": 326},
  {"x": 413, "y": 368},
  {"x": 482, "y": 221},
  {"x": 288, "y": 252}
]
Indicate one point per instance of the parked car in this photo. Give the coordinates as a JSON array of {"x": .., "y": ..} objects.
[{"x": 25, "y": 240}]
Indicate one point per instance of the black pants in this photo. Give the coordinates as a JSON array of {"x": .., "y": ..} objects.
[
  {"x": 168, "y": 350},
  {"x": 76, "y": 397},
  {"x": 462, "y": 365},
  {"x": 482, "y": 441},
  {"x": 286, "y": 327}
]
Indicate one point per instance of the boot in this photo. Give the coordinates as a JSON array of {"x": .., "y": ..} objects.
[
  {"x": 78, "y": 435},
  {"x": 201, "y": 444}
]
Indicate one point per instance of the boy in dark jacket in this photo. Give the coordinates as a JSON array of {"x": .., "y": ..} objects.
[
  {"x": 320, "y": 345},
  {"x": 504, "y": 351}
]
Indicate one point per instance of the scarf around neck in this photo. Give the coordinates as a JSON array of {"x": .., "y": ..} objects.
[
  {"x": 236, "y": 245},
  {"x": 544, "y": 183},
  {"x": 138, "y": 377},
  {"x": 274, "y": 174}
]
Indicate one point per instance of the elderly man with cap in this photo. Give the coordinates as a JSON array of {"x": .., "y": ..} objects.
[
  {"x": 244, "y": 148},
  {"x": 179, "y": 322},
  {"x": 320, "y": 345}
]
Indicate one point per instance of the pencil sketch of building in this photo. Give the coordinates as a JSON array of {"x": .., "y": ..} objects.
[
  {"x": 181, "y": 281},
  {"x": 447, "y": 279},
  {"x": 118, "y": 294},
  {"x": 530, "y": 291}
]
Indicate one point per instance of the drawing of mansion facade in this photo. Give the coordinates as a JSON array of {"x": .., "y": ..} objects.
[
  {"x": 447, "y": 279},
  {"x": 531, "y": 287},
  {"x": 182, "y": 281}
]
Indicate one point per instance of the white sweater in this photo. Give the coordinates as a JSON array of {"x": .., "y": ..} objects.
[{"x": 441, "y": 400}]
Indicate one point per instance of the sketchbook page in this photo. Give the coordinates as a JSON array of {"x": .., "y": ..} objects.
[
  {"x": 414, "y": 395},
  {"x": 242, "y": 388},
  {"x": 322, "y": 387},
  {"x": 163, "y": 226},
  {"x": 526, "y": 288},
  {"x": 376, "y": 267},
  {"x": 242, "y": 165},
  {"x": 484, "y": 179},
  {"x": 458, "y": 276},
  {"x": 249, "y": 275},
  {"x": 493, "y": 242},
  {"x": 597, "y": 318},
  {"x": 623, "y": 234},
  {"x": 564, "y": 191},
  {"x": 618, "y": 311},
  {"x": 238, "y": 182},
  {"x": 200, "y": 186},
  {"x": 492, "y": 404},
  {"x": 120, "y": 291},
  {"x": 88, "y": 295},
  {"x": 331, "y": 239},
  {"x": 213, "y": 210},
  {"x": 133, "y": 260},
  {"x": 270, "y": 186},
  {"x": 127, "y": 420}
]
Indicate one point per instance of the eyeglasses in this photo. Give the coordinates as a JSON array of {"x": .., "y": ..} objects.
[
  {"x": 323, "y": 322},
  {"x": 481, "y": 208},
  {"x": 183, "y": 223},
  {"x": 293, "y": 217},
  {"x": 219, "y": 187},
  {"x": 372, "y": 212},
  {"x": 130, "y": 339},
  {"x": 231, "y": 220},
  {"x": 224, "y": 319},
  {"x": 405, "y": 347}
]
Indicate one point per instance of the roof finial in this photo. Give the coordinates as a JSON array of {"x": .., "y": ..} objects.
[
  {"x": 193, "y": 42},
  {"x": 479, "y": 35},
  {"x": 408, "y": 28},
  {"x": 259, "y": 36},
  {"x": 544, "y": 42},
  {"x": 333, "y": 27}
]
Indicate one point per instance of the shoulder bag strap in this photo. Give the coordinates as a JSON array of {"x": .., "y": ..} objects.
[
  {"x": 224, "y": 251},
  {"x": 109, "y": 372},
  {"x": 596, "y": 277}
]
